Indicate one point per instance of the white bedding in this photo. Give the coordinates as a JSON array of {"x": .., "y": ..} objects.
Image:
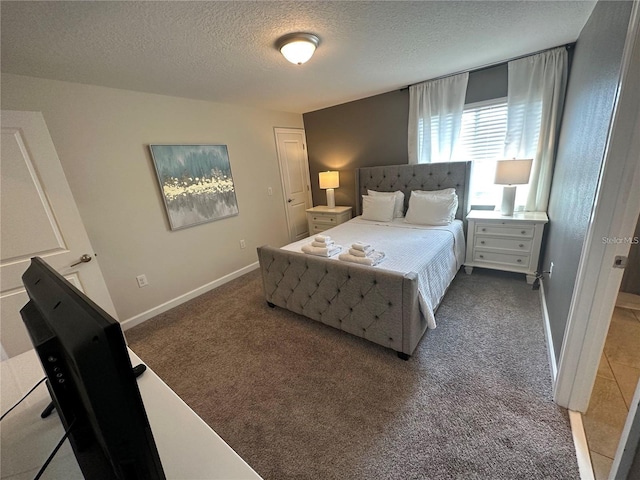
[{"x": 434, "y": 253}]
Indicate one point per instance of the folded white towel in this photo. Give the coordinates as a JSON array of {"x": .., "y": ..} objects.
[
  {"x": 374, "y": 259},
  {"x": 330, "y": 243},
  {"x": 322, "y": 238},
  {"x": 322, "y": 251},
  {"x": 360, "y": 246},
  {"x": 361, "y": 253}
]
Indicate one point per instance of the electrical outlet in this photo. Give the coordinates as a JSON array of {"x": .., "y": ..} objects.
[
  {"x": 142, "y": 281},
  {"x": 551, "y": 270},
  {"x": 269, "y": 191},
  {"x": 242, "y": 244}
]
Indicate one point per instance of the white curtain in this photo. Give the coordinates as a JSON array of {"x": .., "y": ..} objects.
[
  {"x": 435, "y": 116},
  {"x": 535, "y": 98}
]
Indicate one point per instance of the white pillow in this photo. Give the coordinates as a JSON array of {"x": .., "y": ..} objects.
[
  {"x": 378, "y": 208},
  {"x": 399, "y": 197},
  {"x": 446, "y": 191},
  {"x": 425, "y": 209}
]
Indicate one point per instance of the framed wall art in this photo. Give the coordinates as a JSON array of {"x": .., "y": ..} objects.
[{"x": 195, "y": 182}]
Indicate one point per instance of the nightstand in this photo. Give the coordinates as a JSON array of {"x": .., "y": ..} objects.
[
  {"x": 510, "y": 243},
  {"x": 321, "y": 218}
]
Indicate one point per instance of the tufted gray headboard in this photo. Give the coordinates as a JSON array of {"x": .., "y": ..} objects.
[{"x": 425, "y": 176}]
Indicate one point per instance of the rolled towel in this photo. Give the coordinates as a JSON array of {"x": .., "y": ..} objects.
[
  {"x": 374, "y": 259},
  {"x": 322, "y": 251},
  {"x": 330, "y": 243},
  {"x": 322, "y": 238},
  {"x": 361, "y": 253},
  {"x": 360, "y": 246}
]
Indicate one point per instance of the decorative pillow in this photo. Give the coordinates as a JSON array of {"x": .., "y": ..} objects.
[
  {"x": 378, "y": 208},
  {"x": 398, "y": 211},
  {"x": 426, "y": 209}
]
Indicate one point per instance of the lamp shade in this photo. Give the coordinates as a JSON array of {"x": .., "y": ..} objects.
[
  {"x": 329, "y": 179},
  {"x": 298, "y": 48},
  {"x": 513, "y": 172}
]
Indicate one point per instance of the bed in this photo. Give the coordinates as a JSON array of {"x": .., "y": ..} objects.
[{"x": 393, "y": 303}]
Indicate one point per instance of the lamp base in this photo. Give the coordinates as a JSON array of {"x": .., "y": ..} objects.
[
  {"x": 508, "y": 200},
  {"x": 331, "y": 198}
]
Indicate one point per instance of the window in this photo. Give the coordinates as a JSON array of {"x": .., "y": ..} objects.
[
  {"x": 484, "y": 127},
  {"x": 482, "y": 135},
  {"x": 482, "y": 140}
]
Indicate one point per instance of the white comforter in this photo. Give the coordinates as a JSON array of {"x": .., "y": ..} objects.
[{"x": 434, "y": 253}]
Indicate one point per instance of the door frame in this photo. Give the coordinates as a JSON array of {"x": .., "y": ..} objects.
[{"x": 276, "y": 131}]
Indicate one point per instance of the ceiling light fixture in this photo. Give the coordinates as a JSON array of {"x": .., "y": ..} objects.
[{"x": 298, "y": 47}]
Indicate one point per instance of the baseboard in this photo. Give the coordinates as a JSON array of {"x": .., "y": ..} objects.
[
  {"x": 547, "y": 333},
  {"x": 144, "y": 316},
  {"x": 628, "y": 300},
  {"x": 575, "y": 418},
  {"x": 581, "y": 446}
]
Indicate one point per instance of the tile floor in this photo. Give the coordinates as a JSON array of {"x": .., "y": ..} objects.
[{"x": 613, "y": 391}]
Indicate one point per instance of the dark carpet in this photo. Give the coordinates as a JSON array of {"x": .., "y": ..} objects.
[{"x": 298, "y": 399}]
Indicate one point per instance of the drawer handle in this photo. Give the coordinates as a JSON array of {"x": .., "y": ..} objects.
[
  {"x": 481, "y": 256},
  {"x": 523, "y": 232},
  {"x": 484, "y": 229},
  {"x": 519, "y": 260},
  {"x": 482, "y": 242},
  {"x": 521, "y": 245}
]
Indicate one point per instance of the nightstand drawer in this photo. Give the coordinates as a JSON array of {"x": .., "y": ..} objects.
[
  {"x": 323, "y": 218},
  {"x": 315, "y": 228},
  {"x": 329, "y": 220},
  {"x": 499, "y": 243},
  {"x": 524, "y": 231},
  {"x": 501, "y": 258}
]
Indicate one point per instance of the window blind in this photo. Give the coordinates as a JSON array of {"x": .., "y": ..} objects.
[
  {"x": 483, "y": 131},
  {"x": 482, "y": 136}
]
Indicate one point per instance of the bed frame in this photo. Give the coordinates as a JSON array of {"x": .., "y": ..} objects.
[{"x": 378, "y": 305}]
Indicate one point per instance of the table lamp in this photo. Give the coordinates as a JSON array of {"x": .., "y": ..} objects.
[
  {"x": 511, "y": 173},
  {"x": 329, "y": 181}
]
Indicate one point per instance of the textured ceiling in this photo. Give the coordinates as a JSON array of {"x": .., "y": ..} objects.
[{"x": 224, "y": 51}]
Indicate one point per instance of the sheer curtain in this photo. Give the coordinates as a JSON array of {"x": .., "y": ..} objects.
[
  {"x": 435, "y": 117},
  {"x": 535, "y": 98}
]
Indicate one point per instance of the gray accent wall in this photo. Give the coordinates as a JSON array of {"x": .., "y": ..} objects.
[
  {"x": 373, "y": 132},
  {"x": 365, "y": 133},
  {"x": 487, "y": 84},
  {"x": 587, "y": 115}
]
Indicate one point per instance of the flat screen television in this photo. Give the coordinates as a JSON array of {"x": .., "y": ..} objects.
[{"x": 90, "y": 378}]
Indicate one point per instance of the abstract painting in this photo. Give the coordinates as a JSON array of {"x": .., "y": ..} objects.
[{"x": 196, "y": 183}]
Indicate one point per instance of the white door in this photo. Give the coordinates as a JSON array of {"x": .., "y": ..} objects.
[
  {"x": 294, "y": 170},
  {"x": 38, "y": 217}
]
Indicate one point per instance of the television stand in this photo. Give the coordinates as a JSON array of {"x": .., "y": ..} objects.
[
  {"x": 137, "y": 371},
  {"x": 188, "y": 447}
]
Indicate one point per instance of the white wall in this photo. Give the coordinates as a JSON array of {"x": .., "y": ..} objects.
[{"x": 102, "y": 137}]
